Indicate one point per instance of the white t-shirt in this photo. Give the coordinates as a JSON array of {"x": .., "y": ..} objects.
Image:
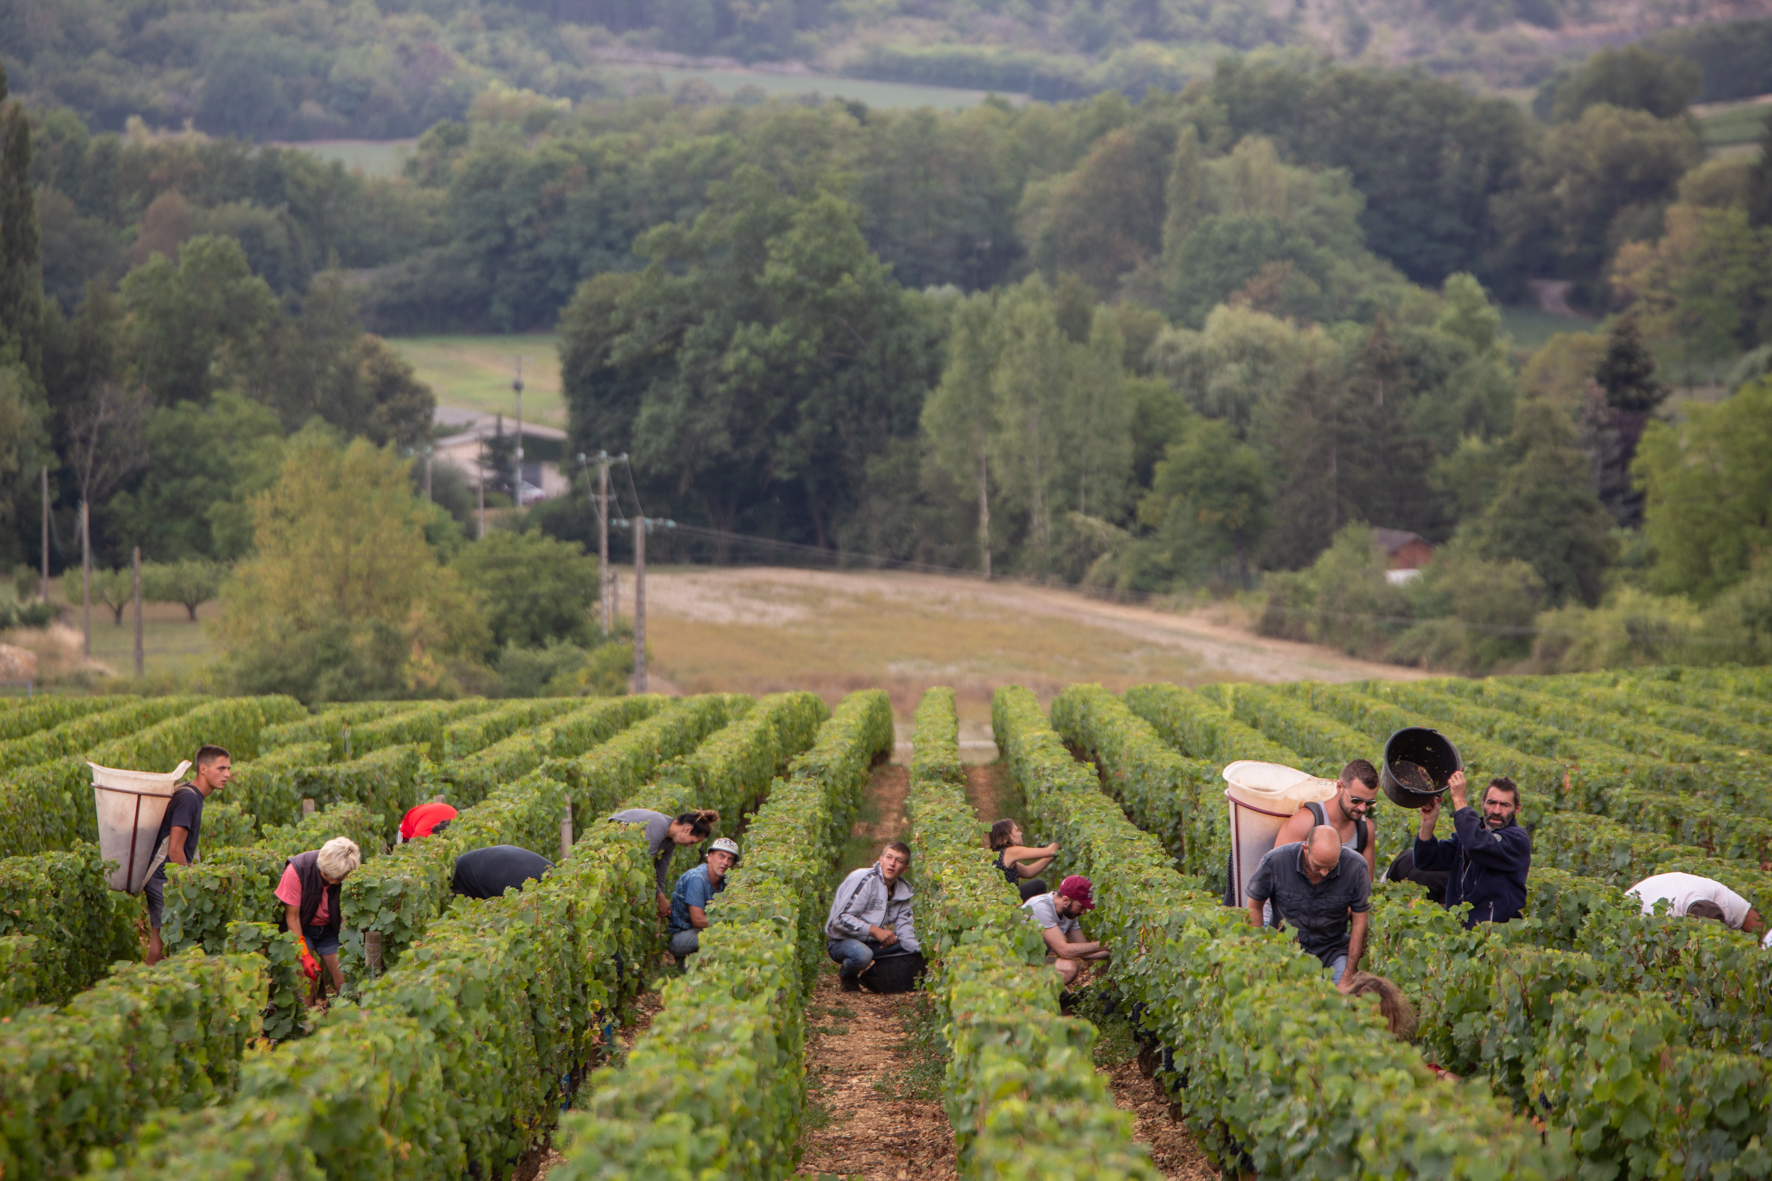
[
  {"x": 1681, "y": 890},
  {"x": 1045, "y": 911}
]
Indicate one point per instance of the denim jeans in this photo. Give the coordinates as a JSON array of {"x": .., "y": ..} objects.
[
  {"x": 685, "y": 943},
  {"x": 852, "y": 956},
  {"x": 1337, "y": 968}
]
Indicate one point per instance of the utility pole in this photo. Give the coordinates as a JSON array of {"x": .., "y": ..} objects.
[
  {"x": 427, "y": 475},
  {"x": 517, "y": 385},
  {"x": 86, "y": 579},
  {"x": 137, "y": 565},
  {"x": 43, "y": 586},
  {"x": 606, "y": 591},
  {"x": 480, "y": 486},
  {"x": 642, "y": 526}
]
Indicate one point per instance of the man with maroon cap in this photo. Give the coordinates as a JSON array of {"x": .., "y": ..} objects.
[{"x": 1057, "y": 915}]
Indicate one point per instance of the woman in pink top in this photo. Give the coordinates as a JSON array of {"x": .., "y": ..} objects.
[{"x": 309, "y": 893}]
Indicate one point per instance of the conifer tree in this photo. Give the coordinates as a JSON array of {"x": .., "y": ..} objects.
[
  {"x": 21, "y": 272},
  {"x": 1626, "y": 393}
]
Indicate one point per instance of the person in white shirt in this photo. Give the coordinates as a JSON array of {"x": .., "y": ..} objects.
[{"x": 1691, "y": 896}]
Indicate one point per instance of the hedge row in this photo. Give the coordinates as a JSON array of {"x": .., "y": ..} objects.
[
  {"x": 1179, "y": 800},
  {"x": 1284, "y": 1078},
  {"x": 50, "y": 805},
  {"x": 1590, "y": 765},
  {"x": 479, "y": 730},
  {"x": 238, "y": 883},
  {"x": 1202, "y": 728},
  {"x": 402, "y": 893},
  {"x": 1021, "y": 1090},
  {"x": 422, "y": 725},
  {"x": 1638, "y": 735},
  {"x": 717, "y": 1084},
  {"x": 1693, "y": 712},
  {"x": 88, "y": 729},
  {"x": 1596, "y": 846},
  {"x": 266, "y": 789},
  {"x": 332, "y": 725},
  {"x": 384, "y": 782},
  {"x": 62, "y": 899},
  {"x": 146, "y": 1039},
  {"x": 22, "y": 717},
  {"x": 1598, "y": 1039},
  {"x": 467, "y": 780},
  {"x": 457, "y": 1058},
  {"x": 19, "y": 966}
]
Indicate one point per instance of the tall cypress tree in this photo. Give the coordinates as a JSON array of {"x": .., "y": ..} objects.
[
  {"x": 21, "y": 270},
  {"x": 1625, "y": 394}
]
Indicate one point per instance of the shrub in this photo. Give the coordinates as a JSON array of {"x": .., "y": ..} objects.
[{"x": 63, "y": 900}]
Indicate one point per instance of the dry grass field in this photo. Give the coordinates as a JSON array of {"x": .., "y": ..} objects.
[{"x": 760, "y": 629}]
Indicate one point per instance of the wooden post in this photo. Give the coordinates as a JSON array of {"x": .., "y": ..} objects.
[
  {"x": 639, "y": 604},
  {"x": 372, "y": 951},
  {"x": 566, "y": 831},
  {"x": 603, "y": 592},
  {"x": 86, "y": 580},
  {"x": 307, "y": 808},
  {"x": 136, "y": 562},
  {"x": 43, "y": 587}
]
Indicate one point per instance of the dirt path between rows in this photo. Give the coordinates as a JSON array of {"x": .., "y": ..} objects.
[{"x": 1172, "y": 1147}]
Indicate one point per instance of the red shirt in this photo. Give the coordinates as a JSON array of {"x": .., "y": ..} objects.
[{"x": 421, "y": 820}]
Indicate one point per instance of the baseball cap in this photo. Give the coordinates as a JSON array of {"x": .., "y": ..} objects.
[
  {"x": 725, "y": 845},
  {"x": 1077, "y": 887}
]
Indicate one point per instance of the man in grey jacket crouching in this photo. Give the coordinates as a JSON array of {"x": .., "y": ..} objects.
[{"x": 870, "y": 932}]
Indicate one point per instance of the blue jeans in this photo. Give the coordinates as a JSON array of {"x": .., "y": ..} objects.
[
  {"x": 1337, "y": 968},
  {"x": 685, "y": 943},
  {"x": 852, "y": 956}
]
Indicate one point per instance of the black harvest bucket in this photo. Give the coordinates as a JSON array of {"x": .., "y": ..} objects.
[{"x": 1430, "y": 750}]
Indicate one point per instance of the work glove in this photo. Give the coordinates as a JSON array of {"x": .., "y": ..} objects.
[{"x": 309, "y": 964}]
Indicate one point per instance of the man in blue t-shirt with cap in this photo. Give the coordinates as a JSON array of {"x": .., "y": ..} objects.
[{"x": 695, "y": 889}]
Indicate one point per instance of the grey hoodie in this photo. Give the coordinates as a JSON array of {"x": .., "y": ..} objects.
[{"x": 862, "y": 902}]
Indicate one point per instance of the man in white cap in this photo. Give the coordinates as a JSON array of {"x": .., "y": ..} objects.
[
  {"x": 695, "y": 889},
  {"x": 1689, "y": 896}
]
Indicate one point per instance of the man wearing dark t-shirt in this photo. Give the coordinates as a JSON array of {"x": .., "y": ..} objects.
[
  {"x": 179, "y": 830},
  {"x": 487, "y": 873}
]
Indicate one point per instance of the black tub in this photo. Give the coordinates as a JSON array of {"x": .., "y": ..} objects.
[{"x": 1429, "y": 749}]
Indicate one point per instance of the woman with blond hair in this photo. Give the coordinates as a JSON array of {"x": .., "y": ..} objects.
[{"x": 309, "y": 893}]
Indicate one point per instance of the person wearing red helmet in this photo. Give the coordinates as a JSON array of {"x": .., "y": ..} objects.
[{"x": 1057, "y": 913}]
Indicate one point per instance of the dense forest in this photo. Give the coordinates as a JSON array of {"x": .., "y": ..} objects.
[
  {"x": 307, "y": 69},
  {"x": 1204, "y": 340}
]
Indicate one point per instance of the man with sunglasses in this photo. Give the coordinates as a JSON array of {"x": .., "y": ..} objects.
[{"x": 1349, "y": 814}]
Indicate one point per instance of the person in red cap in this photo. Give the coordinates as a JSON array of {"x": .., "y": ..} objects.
[
  {"x": 425, "y": 819},
  {"x": 1057, "y": 914}
]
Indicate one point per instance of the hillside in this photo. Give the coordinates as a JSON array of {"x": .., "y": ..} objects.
[{"x": 316, "y": 71}]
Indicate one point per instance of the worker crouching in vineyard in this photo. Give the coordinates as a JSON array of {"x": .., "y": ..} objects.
[
  {"x": 1320, "y": 888},
  {"x": 695, "y": 889},
  {"x": 869, "y": 932},
  {"x": 309, "y": 893},
  {"x": 1057, "y": 913},
  {"x": 1689, "y": 896},
  {"x": 1488, "y": 855},
  {"x": 663, "y": 835}
]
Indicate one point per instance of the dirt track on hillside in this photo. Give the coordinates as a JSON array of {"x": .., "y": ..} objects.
[{"x": 798, "y": 604}]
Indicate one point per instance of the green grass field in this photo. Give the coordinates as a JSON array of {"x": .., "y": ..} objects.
[
  {"x": 474, "y": 372},
  {"x": 1530, "y": 327},
  {"x": 1742, "y": 124},
  {"x": 373, "y": 157},
  {"x": 888, "y": 95}
]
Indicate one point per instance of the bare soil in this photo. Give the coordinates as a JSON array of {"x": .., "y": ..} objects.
[
  {"x": 854, "y": 1049},
  {"x": 1173, "y": 1149}
]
